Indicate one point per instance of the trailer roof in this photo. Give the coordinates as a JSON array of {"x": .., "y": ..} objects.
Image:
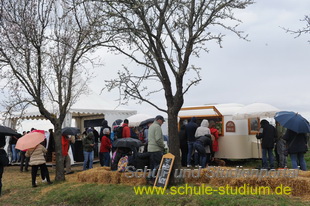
[{"x": 210, "y": 110}]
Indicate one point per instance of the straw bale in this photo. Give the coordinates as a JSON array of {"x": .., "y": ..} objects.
[
  {"x": 300, "y": 185},
  {"x": 115, "y": 177},
  {"x": 104, "y": 177},
  {"x": 304, "y": 173},
  {"x": 134, "y": 181},
  {"x": 196, "y": 177}
]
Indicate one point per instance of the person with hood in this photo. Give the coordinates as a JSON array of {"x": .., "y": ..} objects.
[
  {"x": 104, "y": 125},
  {"x": 200, "y": 145},
  {"x": 37, "y": 160},
  {"x": 4, "y": 160},
  {"x": 88, "y": 150},
  {"x": 105, "y": 148},
  {"x": 190, "y": 130},
  {"x": 268, "y": 134},
  {"x": 297, "y": 147}
]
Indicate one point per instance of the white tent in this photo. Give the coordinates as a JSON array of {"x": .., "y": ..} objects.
[{"x": 87, "y": 107}]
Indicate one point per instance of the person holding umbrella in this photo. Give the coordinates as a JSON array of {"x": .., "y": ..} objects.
[
  {"x": 32, "y": 142},
  {"x": 4, "y": 160},
  {"x": 296, "y": 146},
  {"x": 295, "y": 136},
  {"x": 37, "y": 160},
  {"x": 65, "y": 141}
]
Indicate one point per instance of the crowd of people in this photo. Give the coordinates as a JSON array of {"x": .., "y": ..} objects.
[
  {"x": 198, "y": 146},
  {"x": 282, "y": 142}
]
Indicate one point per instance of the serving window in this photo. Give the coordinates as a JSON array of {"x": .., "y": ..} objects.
[
  {"x": 253, "y": 125},
  {"x": 218, "y": 122}
]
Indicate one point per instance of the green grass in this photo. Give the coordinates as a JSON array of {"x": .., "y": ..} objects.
[{"x": 17, "y": 190}]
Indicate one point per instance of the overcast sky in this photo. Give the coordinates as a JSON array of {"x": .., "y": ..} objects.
[{"x": 273, "y": 67}]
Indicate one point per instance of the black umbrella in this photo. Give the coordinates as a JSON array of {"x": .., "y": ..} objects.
[
  {"x": 127, "y": 142},
  {"x": 117, "y": 122},
  {"x": 70, "y": 131},
  {"x": 7, "y": 131},
  {"x": 145, "y": 122}
]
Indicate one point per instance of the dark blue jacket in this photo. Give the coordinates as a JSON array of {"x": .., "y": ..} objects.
[
  {"x": 190, "y": 130},
  {"x": 296, "y": 143}
]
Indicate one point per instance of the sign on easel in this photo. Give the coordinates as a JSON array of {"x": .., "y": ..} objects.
[{"x": 165, "y": 168}]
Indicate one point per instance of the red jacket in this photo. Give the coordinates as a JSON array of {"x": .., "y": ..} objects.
[
  {"x": 126, "y": 131},
  {"x": 65, "y": 145},
  {"x": 215, "y": 143},
  {"x": 105, "y": 144}
]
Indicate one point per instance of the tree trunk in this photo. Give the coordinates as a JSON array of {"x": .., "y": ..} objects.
[
  {"x": 60, "y": 176},
  {"x": 174, "y": 146}
]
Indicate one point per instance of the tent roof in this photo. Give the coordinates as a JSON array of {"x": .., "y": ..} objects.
[{"x": 86, "y": 105}]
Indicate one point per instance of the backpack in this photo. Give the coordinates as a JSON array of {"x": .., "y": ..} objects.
[
  {"x": 122, "y": 164},
  {"x": 119, "y": 132},
  {"x": 205, "y": 140}
]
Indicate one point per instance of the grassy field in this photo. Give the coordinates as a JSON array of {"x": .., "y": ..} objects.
[{"x": 17, "y": 190}]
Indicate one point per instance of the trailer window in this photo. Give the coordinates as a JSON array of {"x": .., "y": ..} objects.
[{"x": 253, "y": 124}]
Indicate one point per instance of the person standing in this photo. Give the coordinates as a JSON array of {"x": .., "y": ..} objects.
[
  {"x": 15, "y": 152},
  {"x": 183, "y": 146},
  {"x": 156, "y": 144},
  {"x": 215, "y": 137},
  {"x": 280, "y": 148},
  {"x": 105, "y": 148},
  {"x": 104, "y": 125},
  {"x": 88, "y": 150},
  {"x": 96, "y": 140},
  {"x": 190, "y": 130},
  {"x": 268, "y": 135},
  {"x": 126, "y": 130},
  {"x": 24, "y": 159},
  {"x": 200, "y": 144},
  {"x": 297, "y": 147},
  {"x": 4, "y": 160},
  {"x": 37, "y": 160},
  {"x": 65, "y": 141}
]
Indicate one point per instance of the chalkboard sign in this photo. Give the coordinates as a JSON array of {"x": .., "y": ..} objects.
[{"x": 163, "y": 174}]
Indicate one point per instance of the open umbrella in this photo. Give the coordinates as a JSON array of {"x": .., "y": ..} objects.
[
  {"x": 30, "y": 140},
  {"x": 7, "y": 131},
  {"x": 117, "y": 122},
  {"x": 145, "y": 122},
  {"x": 255, "y": 110},
  {"x": 70, "y": 131},
  {"x": 293, "y": 121},
  {"x": 127, "y": 142},
  {"x": 135, "y": 120}
]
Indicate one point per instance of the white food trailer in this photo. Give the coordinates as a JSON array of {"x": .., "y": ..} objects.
[{"x": 237, "y": 137}]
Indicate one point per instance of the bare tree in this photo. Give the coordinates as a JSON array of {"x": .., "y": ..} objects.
[
  {"x": 43, "y": 47},
  {"x": 304, "y": 30},
  {"x": 162, "y": 36}
]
